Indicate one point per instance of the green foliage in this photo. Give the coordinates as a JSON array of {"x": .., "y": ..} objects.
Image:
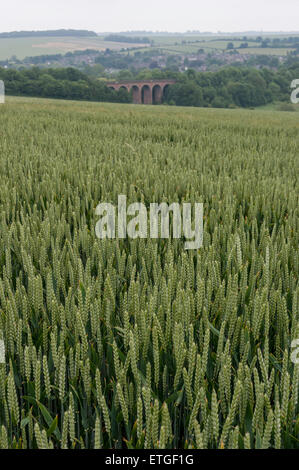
[
  {"x": 67, "y": 83},
  {"x": 129, "y": 39},
  {"x": 232, "y": 86},
  {"x": 49, "y": 33}
]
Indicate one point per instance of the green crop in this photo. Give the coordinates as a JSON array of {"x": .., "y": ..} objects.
[{"x": 139, "y": 343}]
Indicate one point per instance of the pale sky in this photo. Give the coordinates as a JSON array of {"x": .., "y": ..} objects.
[{"x": 162, "y": 15}]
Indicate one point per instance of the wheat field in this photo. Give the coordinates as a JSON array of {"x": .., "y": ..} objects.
[{"x": 140, "y": 343}]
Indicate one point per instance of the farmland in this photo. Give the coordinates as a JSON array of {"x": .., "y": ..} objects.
[
  {"x": 33, "y": 46},
  {"x": 192, "y": 48},
  {"x": 191, "y": 44},
  {"x": 183, "y": 44},
  {"x": 139, "y": 343}
]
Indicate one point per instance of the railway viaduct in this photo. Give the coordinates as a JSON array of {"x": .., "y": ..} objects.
[{"x": 144, "y": 91}]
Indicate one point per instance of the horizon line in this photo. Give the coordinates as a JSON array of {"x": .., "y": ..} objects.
[{"x": 249, "y": 31}]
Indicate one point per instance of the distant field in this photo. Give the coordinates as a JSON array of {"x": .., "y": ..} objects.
[
  {"x": 223, "y": 44},
  {"x": 159, "y": 40},
  {"x": 279, "y": 106},
  {"x": 171, "y": 40},
  {"x": 268, "y": 51},
  {"x": 182, "y": 49},
  {"x": 24, "y": 47},
  {"x": 212, "y": 45}
]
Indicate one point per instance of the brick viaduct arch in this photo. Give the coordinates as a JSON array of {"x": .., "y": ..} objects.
[{"x": 144, "y": 91}]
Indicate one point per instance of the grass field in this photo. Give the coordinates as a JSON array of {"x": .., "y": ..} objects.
[
  {"x": 140, "y": 343},
  {"x": 175, "y": 38},
  {"x": 28, "y": 47},
  {"x": 24, "y": 47},
  {"x": 222, "y": 47},
  {"x": 268, "y": 51},
  {"x": 212, "y": 44},
  {"x": 279, "y": 106}
]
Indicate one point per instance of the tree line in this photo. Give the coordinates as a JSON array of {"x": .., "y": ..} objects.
[
  {"x": 227, "y": 88},
  {"x": 129, "y": 39},
  {"x": 63, "y": 83},
  {"x": 51, "y": 33},
  {"x": 233, "y": 87}
]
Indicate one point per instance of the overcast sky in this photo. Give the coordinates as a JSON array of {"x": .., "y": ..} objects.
[{"x": 162, "y": 15}]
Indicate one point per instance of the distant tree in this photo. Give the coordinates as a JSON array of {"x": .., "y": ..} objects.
[
  {"x": 129, "y": 39},
  {"x": 49, "y": 33},
  {"x": 124, "y": 75},
  {"x": 123, "y": 96},
  {"x": 219, "y": 102},
  {"x": 240, "y": 93},
  {"x": 96, "y": 70},
  {"x": 186, "y": 94},
  {"x": 191, "y": 74}
]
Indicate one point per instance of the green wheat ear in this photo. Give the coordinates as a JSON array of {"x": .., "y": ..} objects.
[{"x": 138, "y": 343}]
